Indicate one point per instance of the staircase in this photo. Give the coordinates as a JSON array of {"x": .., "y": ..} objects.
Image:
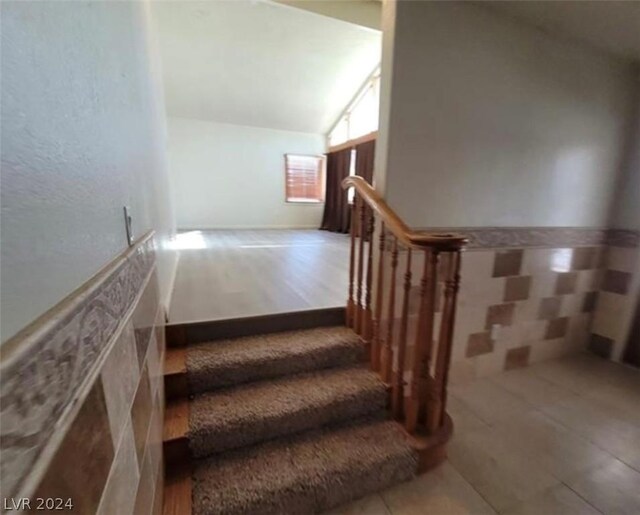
[
  {"x": 286, "y": 422},
  {"x": 298, "y": 413}
]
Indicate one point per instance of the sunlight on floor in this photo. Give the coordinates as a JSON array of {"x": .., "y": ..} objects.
[{"x": 191, "y": 240}]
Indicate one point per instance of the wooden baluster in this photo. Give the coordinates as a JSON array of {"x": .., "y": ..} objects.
[
  {"x": 387, "y": 348},
  {"x": 362, "y": 229},
  {"x": 367, "y": 329},
  {"x": 352, "y": 261},
  {"x": 424, "y": 341},
  {"x": 438, "y": 393},
  {"x": 376, "y": 345},
  {"x": 397, "y": 398}
]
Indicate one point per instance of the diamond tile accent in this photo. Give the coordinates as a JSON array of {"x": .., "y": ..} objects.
[
  {"x": 517, "y": 288},
  {"x": 549, "y": 308},
  {"x": 616, "y": 282},
  {"x": 584, "y": 258},
  {"x": 566, "y": 283},
  {"x": 501, "y": 314},
  {"x": 507, "y": 263},
  {"x": 556, "y": 328},
  {"x": 479, "y": 343},
  {"x": 518, "y": 357},
  {"x": 81, "y": 465}
]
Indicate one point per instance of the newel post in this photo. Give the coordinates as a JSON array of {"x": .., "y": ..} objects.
[
  {"x": 438, "y": 393},
  {"x": 422, "y": 350}
]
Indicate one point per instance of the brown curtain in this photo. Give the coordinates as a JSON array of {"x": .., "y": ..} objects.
[
  {"x": 336, "y": 217},
  {"x": 365, "y": 153}
]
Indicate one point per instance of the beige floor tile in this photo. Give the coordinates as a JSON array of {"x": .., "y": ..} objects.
[
  {"x": 370, "y": 505},
  {"x": 497, "y": 469},
  {"x": 602, "y": 426},
  {"x": 487, "y": 400},
  {"x": 614, "y": 489},
  {"x": 464, "y": 419},
  {"x": 623, "y": 401},
  {"x": 558, "y": 500},
  {"x": 570, "y": 374},
  {"x": 550, "y": 446},
  {"x": 532, "y": 388},
  {"x": 612, "y": 373},
  {"x": 442, "y": 491}
]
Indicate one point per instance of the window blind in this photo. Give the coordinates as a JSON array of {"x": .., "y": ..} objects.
[{"x": 304, "y": 177}]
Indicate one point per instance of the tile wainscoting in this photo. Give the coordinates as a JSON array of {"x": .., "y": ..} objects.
[
  {"x": 532, "y": 294},
  {"x": 519, "y": 306},
  {"x": 619, "y": 293},
  {"x": 82, "y": 394}
]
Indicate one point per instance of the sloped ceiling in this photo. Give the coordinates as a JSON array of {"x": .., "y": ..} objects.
[
  {"x": 261, "y": 64},
  {"x": 612, "y": 26},
  {"x": 367, "y": 13}
]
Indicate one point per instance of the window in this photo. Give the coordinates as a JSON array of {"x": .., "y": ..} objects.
[
  {"x": 361, "y": 117},
  {"x": 351, "y": 192},
  {"x": 304, "y": 178}
]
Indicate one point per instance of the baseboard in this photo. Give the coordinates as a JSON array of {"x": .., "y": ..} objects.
[
  {"x": 245, "y": 227},
  {"x": 172, "y": 281}
]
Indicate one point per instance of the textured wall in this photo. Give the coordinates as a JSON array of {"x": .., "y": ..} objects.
[
  {"x": 233, "y": 176},
  {"x": 494, "y": 123},
  {"x": 82, "y": 136}
]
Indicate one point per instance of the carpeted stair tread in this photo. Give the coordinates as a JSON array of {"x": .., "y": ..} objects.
[
  {"x": 228, "y": 362},
  {"x": 254, "y": 412},
  {"x": 309, "y": 473}
]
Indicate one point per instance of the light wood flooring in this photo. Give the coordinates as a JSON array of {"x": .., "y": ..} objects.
[{"x": 235, "y": 273}]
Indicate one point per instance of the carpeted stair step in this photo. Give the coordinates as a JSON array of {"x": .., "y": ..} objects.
[
  {"x": 241, "y": 360},
  {"x": 312, "y": 472},
  {"x": 255, "y": 412}
]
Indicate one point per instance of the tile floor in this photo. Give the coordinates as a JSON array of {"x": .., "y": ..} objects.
[{"x": 558, "y": 438}]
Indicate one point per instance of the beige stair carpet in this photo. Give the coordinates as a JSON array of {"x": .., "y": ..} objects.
[
  {"x": 254, "y": 412},
  {"x": 312, "y": 472},
  {"x": 240, "y": 360}
]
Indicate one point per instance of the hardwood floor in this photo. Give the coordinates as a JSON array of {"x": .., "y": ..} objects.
[{"x": 235, "y": 273}]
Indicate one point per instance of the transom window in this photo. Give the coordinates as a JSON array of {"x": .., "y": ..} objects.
[{"x": 361, "y": 117}]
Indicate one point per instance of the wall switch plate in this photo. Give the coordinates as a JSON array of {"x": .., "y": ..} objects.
[
  {"x": 128, "y": 224},
  {"x": 495, "y": 331}
]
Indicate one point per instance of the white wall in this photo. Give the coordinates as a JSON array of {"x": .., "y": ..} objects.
[
  {"x": 626, "y": 209},
  {"x": 232, "y": 176},
  {"x": 82, "y": 136},
  {"x": 494, "y": 123}
]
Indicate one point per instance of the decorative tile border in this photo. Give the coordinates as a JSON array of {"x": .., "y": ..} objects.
[
  {"x": 523, "y": 237},
  {"x": 623, "y": 238},
  {"x": 43, "y": 368}
]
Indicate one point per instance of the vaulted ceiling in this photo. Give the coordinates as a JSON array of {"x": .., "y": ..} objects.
[{"x": 260, "y": 63}]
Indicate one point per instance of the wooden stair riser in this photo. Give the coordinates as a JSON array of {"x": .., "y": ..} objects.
[
  {"x": 176, "y": 386},
  {"x": 180, "y": 335}
]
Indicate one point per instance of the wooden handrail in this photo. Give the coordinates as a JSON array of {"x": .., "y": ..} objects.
[
  {"x": 416, "y": 372},
  {"x": 419, "y": 239}
]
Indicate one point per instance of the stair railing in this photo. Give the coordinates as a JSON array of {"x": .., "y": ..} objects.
[{"x": 408, "y": 329}]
